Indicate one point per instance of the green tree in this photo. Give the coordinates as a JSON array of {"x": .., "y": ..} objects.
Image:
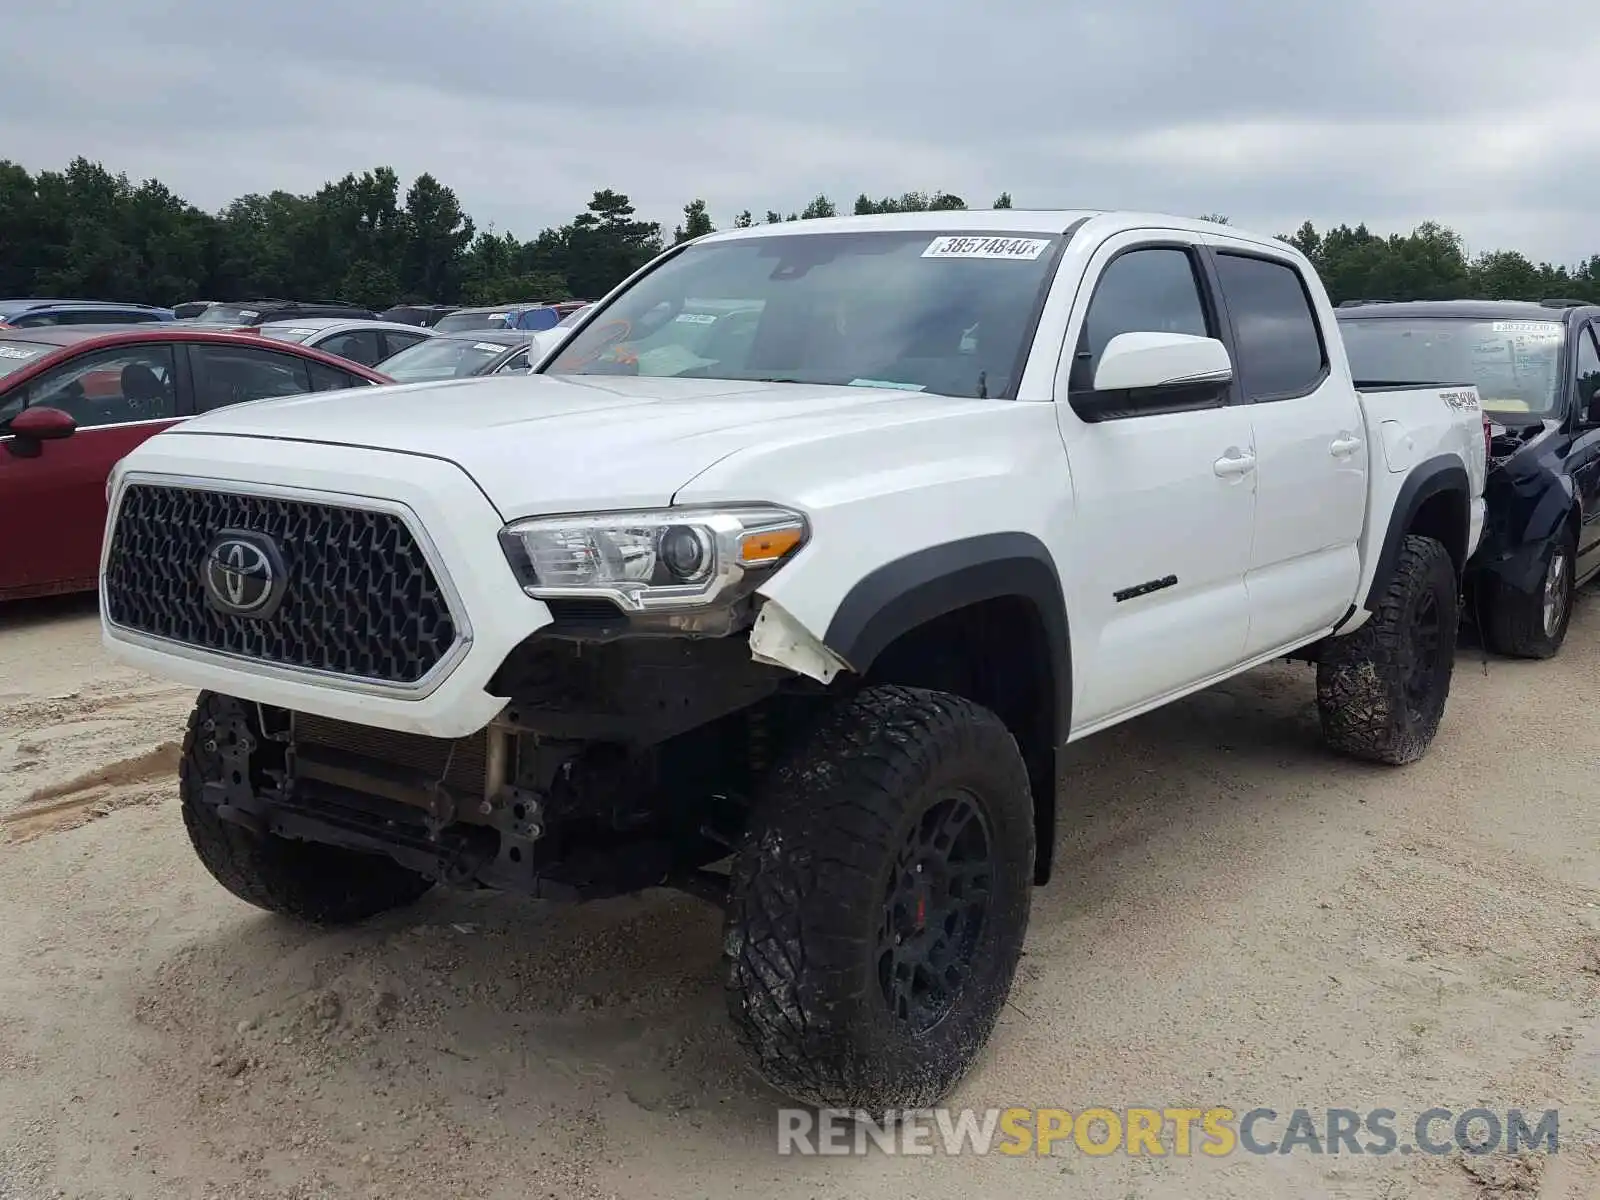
[
  {"x": 436, "y": 235},
  {"x": 696, "y": 223},
  {"x": 820, "y": 206},
  {"x": 744, "y": 220},
  {"x": 1003, "y": 200}
]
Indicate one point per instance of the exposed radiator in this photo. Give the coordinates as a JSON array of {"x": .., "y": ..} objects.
[{"x": 467, "y": 764}]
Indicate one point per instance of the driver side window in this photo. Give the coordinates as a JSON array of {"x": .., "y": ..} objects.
[
  {"x": 1154, "y": 290},
  {"x": 111, "y": 387}
]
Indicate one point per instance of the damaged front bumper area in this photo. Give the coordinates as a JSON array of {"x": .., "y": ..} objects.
[
  {"x": 615, "y": 766},
  {"x": 378, "y": 678}
]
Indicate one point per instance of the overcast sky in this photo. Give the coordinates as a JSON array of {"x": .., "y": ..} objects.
[{"x": 1483, "y": 116}]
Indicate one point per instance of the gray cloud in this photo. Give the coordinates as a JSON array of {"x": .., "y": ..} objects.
[{"x": 1481, "y": 116}]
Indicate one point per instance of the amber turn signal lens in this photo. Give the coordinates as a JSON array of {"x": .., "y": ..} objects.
[{"x": 767, "y": 545}]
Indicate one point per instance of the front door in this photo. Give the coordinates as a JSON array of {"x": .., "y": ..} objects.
[
  {"x": 1160, "y": 539},
  {"x": 54, "y": 501}
]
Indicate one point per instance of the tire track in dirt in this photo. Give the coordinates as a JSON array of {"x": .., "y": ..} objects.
[{"x": 140, "y": 779}]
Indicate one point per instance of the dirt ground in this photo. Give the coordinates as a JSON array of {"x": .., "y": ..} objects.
[{"x": 1238, "y": 918}]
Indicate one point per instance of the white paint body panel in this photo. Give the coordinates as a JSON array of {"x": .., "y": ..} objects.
[{"x": 1270, "y": 520}]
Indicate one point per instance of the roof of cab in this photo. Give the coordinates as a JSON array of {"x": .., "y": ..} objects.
[{"x": 1036, "y": 221}]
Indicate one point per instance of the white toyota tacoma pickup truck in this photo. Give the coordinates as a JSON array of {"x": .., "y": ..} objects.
[{"x": 805, "y": 557}]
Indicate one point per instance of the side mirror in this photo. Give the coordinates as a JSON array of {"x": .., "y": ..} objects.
[
  {"x": 1142, "y": 361},
  {"x": 43, "y": 424},
  {"x": 33, "y": 426}
]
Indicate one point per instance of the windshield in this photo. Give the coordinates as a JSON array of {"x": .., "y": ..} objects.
[
  {"x": 455, "y": 322},
  {"x": 287, "y": 333},
  {"x": 919, "y": 310},
  {"x": 228, "y": 314},
  {"x": 1515, "y": 364},
  {"x": 440, "y": 358},
  {"x": 15, "y": 355}
]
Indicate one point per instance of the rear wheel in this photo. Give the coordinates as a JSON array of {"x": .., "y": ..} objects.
[
  {"x": 879, "y": 902},
  {"x": 325, "y": 885},
  {"x": 1381, "y": 691},
  {"x": 1534, "y": 624}
]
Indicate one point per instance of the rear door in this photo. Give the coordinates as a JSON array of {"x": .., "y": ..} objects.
[
  {"x": 1165, "y": 499},
  {"x": 1311, "y": 453},
  {"x": 53, "y": 494},
  {"x": 1583, "y": 461}
]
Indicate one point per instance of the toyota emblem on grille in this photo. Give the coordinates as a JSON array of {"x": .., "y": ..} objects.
[{"x": 243, "y": 574}]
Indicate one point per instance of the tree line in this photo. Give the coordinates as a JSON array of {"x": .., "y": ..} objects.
[{"x": 84, "y": 232}]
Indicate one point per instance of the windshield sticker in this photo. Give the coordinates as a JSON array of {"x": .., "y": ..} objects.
[
  {"x": 697, "y": 318},
  {"x": 13, "y": 352},
  {"x": 498, "y": 316},
  {"x": 1540, "y": 330},
  {"x": 888, "y": 383},
  {"x": 248, "y": 314},
  {"x": 1022, "y": 249},
  {"x": 1461, "y": 400},
  {"x": 488, "y": 346},
  {"x": 299, "y": 332}
]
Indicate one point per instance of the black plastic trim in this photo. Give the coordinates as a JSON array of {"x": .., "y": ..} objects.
[
  {"x": 908, "y": 592},
  {"x": 1443, "y": 473}
]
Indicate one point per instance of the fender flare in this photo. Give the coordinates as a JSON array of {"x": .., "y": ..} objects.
[
  {"x": 908, "y": 592},
  {"x": 1435, "y": 476},
  {"x": 1554, "y": 509}
]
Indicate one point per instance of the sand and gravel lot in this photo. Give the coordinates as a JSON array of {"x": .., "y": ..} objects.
[{"x": 1238, "y": 918}]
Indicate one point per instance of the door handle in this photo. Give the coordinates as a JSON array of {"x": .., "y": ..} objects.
[
  {"x": 1344, "y": 445},
  {"x": 1234, "y": 464}
]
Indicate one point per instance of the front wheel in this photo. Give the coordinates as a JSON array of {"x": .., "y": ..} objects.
[
  {"x": 1534, "y": 624},
  {"x": 879, "y": 902},
  {"x": 1381, "y": 690},
  {"x": 324, "y": 885}
]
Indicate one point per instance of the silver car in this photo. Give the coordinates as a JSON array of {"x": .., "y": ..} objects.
[{"x": 365, "y": 342}]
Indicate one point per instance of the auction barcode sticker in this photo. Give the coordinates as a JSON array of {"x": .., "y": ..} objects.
[
  {"x": 1024, "y": 249},
  {"x": 1544, "y": 329},
  {"x": 13, "y": 352}
]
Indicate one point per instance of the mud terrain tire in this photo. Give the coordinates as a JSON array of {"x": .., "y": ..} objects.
[
  {"x": 1381, "y": 690},
  {"x": 879, "y": 901},
  {"x": 324, "y": 885}
]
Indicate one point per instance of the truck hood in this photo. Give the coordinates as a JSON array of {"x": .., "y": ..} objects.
[{"x": 546, "y": 444}]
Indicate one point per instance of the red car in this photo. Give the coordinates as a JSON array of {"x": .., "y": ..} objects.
[{"x": 74, "y": 400}]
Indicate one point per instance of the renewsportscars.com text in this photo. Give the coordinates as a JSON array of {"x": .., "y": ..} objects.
[{"x": 1215, "y": 1132}]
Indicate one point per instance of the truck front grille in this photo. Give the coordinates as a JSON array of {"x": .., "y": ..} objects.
[{"x": 359, "y": 599}]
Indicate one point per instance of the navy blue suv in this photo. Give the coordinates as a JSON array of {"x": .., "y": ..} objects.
[{"x": 1537, "y": 369}]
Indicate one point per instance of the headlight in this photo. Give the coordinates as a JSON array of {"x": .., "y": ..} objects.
[{"x": 648, "y": 561}]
